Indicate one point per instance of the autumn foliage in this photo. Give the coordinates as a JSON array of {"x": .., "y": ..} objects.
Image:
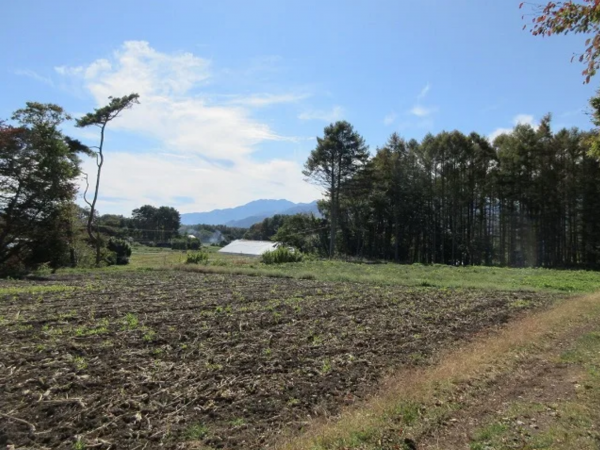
[{"x": 571, "y": 17}]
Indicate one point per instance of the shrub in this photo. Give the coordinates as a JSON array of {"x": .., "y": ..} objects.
[
  {"x": 13, "y": 268},
  {"x": 281, "y": 255},
  {"x": 196, "y": 258},
  {"x": 121, "y": 249},
  {"x": 186, "y": 244},
  {"x": 83, "y": 254}
]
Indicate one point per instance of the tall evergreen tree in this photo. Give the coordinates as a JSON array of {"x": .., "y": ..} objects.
[{"x": 339, "y": 155}]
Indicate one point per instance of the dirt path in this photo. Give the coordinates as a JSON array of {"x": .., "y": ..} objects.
[{"x": 524, "y": 401}]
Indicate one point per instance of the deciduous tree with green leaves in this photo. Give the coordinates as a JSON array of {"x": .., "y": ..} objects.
[
  {"x": 100, "y": 118},
  {"x": 156, "y": 224},
  {"x": 339, "y": 155},
  {"x": 38, "y": 168}
]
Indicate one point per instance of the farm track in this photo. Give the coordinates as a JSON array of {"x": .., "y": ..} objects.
[{"x": 185, "y": 360}]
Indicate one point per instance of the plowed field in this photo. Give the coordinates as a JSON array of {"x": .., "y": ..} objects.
[{"x": 184, "y": 360}]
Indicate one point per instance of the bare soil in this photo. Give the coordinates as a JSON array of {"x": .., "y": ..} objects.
[{"x": 185, "y": 360}]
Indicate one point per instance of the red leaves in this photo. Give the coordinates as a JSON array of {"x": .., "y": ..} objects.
[{"x": 568, "y": 16}]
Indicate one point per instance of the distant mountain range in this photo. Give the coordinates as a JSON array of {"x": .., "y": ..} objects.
[{"x": 247, "y": 215}]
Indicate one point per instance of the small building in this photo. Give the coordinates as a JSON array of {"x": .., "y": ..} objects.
[{"x": 249, "y": 248}]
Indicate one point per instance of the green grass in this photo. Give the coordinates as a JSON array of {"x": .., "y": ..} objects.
[
  {"x": 195, "y": 432},
  {"x": 130, "y": 321},
  {"x": 565, "y": 281},
  {"x": 17, "y": 289},
  {"x": 237, "y": 422},
  {"x": 574, "y": 421},
  {"x": 487, "y": 437}
]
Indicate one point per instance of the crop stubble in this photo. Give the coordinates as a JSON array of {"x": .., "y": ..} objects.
[{"x": 134, "y": 360}]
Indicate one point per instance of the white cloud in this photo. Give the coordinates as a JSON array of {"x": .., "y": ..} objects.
[
  {"x": 137, "y": 67},
  {"x": 422, "y": 111},
  {"x": 519, "y": 119},
  {"x": 424, "y": 92},
  {"x": 498, "y": 132},
  {"x": 523, "y": 119},
  {"x": 184, "y": 121},
  {"x": 336, "y": 113},
  {"x": 418, "y": 109},
  {"x": 390, "y": 118},
  {"x": 88, "y": 72},
  {"x": 130, "y": 180}
]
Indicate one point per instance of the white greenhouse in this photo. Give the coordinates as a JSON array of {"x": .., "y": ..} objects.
[{"x": 249, "y": 248}]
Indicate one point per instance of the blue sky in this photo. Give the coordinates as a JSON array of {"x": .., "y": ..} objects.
[{"x": 233, "y": 93}]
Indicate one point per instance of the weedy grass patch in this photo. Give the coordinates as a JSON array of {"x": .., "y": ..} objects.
[{"x": 19, "y": 288}]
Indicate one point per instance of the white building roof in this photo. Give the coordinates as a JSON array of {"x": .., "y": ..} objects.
[{"x": 250, "y": 248}]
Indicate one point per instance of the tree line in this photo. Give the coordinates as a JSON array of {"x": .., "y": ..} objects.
[
  {"x": 529, "y": 198},
  {"x": 148, "y": 224}
]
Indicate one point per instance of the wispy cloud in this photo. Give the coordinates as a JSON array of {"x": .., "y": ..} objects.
[
  {"x": 419, "y": 110},
  {"x": 336, "y": 113},
  {"x": 390, "y": 118},
  {"x": 422, "y": 111},
  {"x": 35, "y": 76},
  {"x": 215, "y": 140},
  {"x": 519, "y": 119},
  {"x": 424, "y": 92}
]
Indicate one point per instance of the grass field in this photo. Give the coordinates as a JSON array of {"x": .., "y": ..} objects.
[
  {"x": 442, "y": 276},
  {"x": 159, "y": 353}
]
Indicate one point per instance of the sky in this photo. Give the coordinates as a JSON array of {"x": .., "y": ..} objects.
[{"x": 234, "y": 93}]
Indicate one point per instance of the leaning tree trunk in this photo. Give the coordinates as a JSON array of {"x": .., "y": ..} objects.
[{"x": 99, "y": 162}]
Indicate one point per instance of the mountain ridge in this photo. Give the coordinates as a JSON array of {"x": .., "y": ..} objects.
[{"x": 248, "y": 214}]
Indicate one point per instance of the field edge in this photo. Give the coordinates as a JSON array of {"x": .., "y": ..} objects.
[{"x": 413, "y": 403}]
